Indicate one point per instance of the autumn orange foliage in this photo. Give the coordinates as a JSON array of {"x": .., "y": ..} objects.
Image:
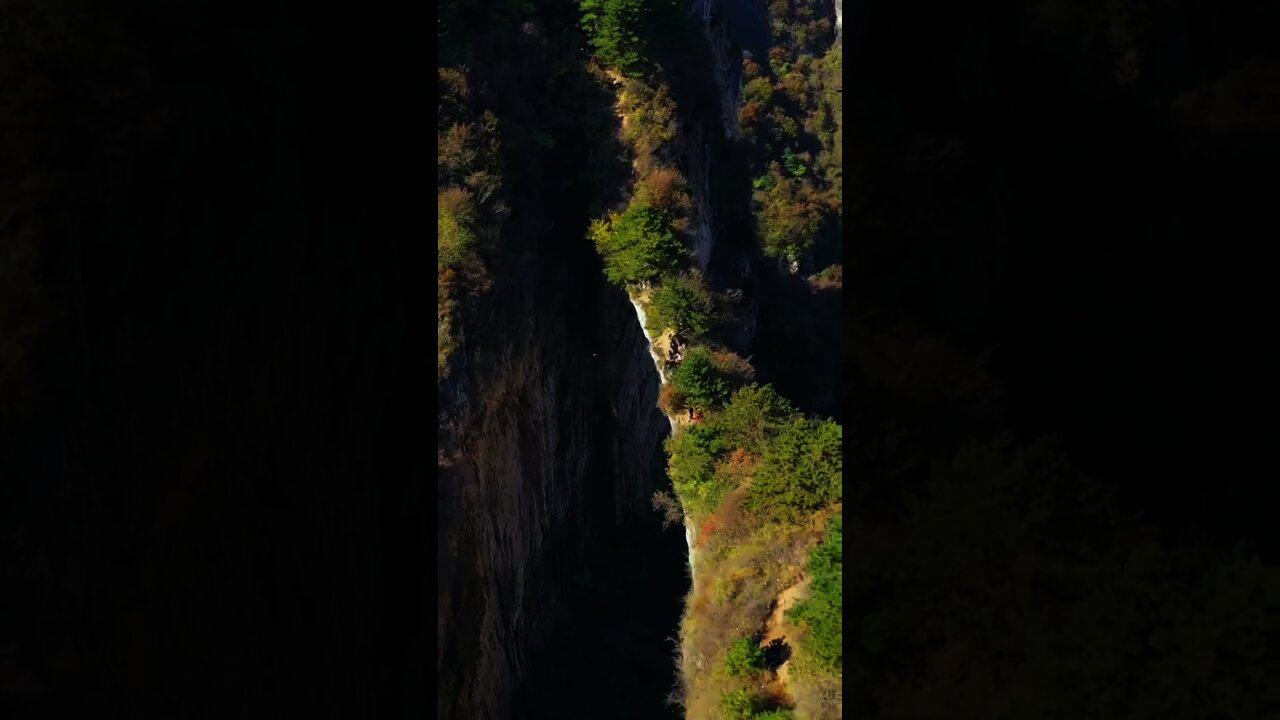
[
  {"x": 708, "y": 529},
  {"x": 750, "y": 113}
]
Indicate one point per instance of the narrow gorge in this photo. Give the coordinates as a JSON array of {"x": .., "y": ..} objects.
[{"x": 562, "y": 589}]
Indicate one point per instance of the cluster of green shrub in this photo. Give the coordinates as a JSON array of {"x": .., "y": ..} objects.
[
  {"x": 455, "y": 226},
  {"x": 822, "y": 614},
  {"x": 741, "y": 704},
  {"x": 684, "y": 304},
  {"x": 744, "y": 657},
  {"x": 800, "y": 459},
  {"x": 618, "y": 31},
  {"x": 754, "y": 473},
  {"x": 631, "y": 35},
  {"x": 639, "y": 245},
  {"x": 695, "y": 453},
  {"x": 801, "y": 470}
]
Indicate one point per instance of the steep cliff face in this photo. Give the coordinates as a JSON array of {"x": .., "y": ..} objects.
[{"x": 549, "y": 450}]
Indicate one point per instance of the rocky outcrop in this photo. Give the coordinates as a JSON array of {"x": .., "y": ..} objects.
[
  {"x": 732, "y": 26},
  {"x": 698, "y": 172}
]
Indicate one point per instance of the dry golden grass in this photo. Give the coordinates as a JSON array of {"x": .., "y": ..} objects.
[
  {"x": 817, "y": 695},
  {"x": 744, "y": 568}
]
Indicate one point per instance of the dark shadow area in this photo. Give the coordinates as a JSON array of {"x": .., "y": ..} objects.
[
  {"x": 612, "y": 651},
  {"x": 796, "y": 347},
  {"x": 212, "y": 505},
  {"x": 745, "y": 22},
  {"x": 1089, "y": 212},
  {"x": 776, "y": 653},
  {"x": 1055, "y": 357}
]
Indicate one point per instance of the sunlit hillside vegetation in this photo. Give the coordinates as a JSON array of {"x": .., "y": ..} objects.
[
  {"x": 758, "y": 483},
  {"x": 791, "y": 114}
]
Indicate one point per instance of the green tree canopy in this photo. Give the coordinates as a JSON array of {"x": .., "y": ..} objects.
[
  {"x": 744, "y": 657},
  {"x": 758, "y": 90},
  {"x": 801, "y": 471},
  {"x": 694, "y": 452},
  {"x": 684, "y": 304},
  {"x": 822, "y": 614},
  {"x": 790, "y": 220},
  {"x": 699, "y": 381},
  {"x": 455, "y": 216},
  {"x": 638, "y": 245},
  {"x": 753, "y": 417},
  {"x": 738, "y": 705}
]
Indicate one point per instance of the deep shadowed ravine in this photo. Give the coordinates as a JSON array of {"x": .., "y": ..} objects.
[{"x": 559, "y": 592}]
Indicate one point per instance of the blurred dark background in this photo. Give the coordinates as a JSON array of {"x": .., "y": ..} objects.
[
  {"x": 1059, "y": 375},
  {"x": 210, "y": 506},
  {"x": 1084, "y": 189}
]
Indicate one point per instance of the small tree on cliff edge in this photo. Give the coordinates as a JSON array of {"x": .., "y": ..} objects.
[
  {"x": 698, "y": 380},
  {"x": 684, "y": 304},
  {"x": 638, "y": 246}
]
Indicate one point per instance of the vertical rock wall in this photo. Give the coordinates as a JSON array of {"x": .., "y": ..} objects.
[{"x": 551, "y": 442}]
